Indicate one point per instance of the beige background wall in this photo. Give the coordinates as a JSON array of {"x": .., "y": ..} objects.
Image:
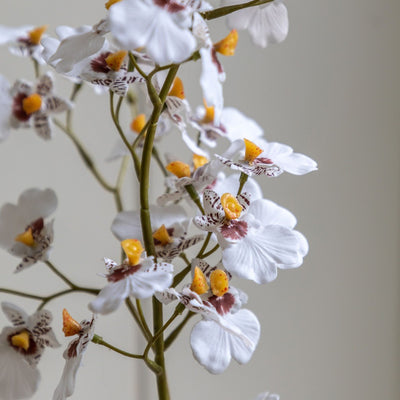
[{"x": 330, "y": 330}]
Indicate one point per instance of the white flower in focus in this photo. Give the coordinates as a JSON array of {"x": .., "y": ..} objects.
[
  {"x": 226, "y": 331},
  {"x": 24, "y": 41},
  {"x": 224, "y": 184},
  {"x": 278, "y": 154},
  {"x": 267, "y": 396},
  {"x": 30, "y": 105},
  {"x": 267, "y": 24},
  {"x": 137, "y": 276},
  {"x": 21, "y": 347},
  {"x": 162, "y": 26},
  {"x": 169, "y": 225},
  {"x": 74, "y": 353},
  {"x": 256, "y": 238},
  {"x": 23, "y": 230}
]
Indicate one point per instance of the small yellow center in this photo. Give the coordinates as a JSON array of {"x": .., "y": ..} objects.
[
  {"x": 252, "y": 151},
  {"x": 138, "y": 123},
  {"x": 26, "y": 238},
  {"x": 21, "y": 340},
  {"x": 227, "y": 46},
  {"x": 115, "y": 60},
  {"x": 199, "y": 161},
  {"x": 161, "y": 234},
  {"x": 209, "y": 115},
  {"x": 110, "y": 3},
  {"x": 219, "y": 282},
  {"x": 36, "y": 34},
  {"x": 32, "y": 103},
  {"x": 177, "y": 89},
  {"x": 70, "y": 326},
  {"x": 231, "y": 206},
  {"x": 179, "y": 169},
  {"x": 133, "y": 250},
  {"x": 199, "y": 283}
]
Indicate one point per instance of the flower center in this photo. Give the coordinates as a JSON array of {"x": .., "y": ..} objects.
[
  {"x": 177, "y": 89},
  {"x": 162, "y": 235},
  {"x": 138, "y": 123},
  {"x": 133, "y": 250},
  {"x": 219, "y": 282},
  {"x": 70, "y": 326},
  {"x": 26, "y": 238},
  {"x": 252, "y": 151},
  {"x": 115, "y": 60},
  {"x": 199, "y": 283},
  {"x": 231, "y": 206},
  {"x": 179, "y": 169},
  {"x": 209, "y": 115},
  {"x": 199, "y": 161},
  {"x": 110, "y": 3},
  {"x": 36, "y": 34},
  {"x": 32, "y": 103},
  {"x": 227, "y": 46},
  {"x": 21, "y": 340}
]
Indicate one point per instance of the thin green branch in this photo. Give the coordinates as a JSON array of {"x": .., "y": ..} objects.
[
  {"x": 156, "y": 156},
  {"x": 178, "y": 278},
  {"x": 60, "y": 275},
  {"x": 213, "y": 250},
  {"x": 143, "y": 318},
  {"x": 174, "y": 334},
  {"x": 21, "y": 294},
  {"x": 99, "y": 340},
  {"x": 205, "y": 244},
  {"x": 148, "y": 336},
  {"x": 222, "y": 11},
  {"x": 195, "y": 197},
  {"x": 67, "y": 291},
  {"x": 242, "y": 180}
]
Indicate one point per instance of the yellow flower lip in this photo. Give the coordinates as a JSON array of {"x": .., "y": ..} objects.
[
  {"x": 115, "y": 60},
  {"x": 231, "y": 206},
  {"x": 133, "y": 250},
  {"x": 70, "y": 326},
  {"x": 162, "y": 235},
  {"x": 209, "y": 114},
  {"x": 252, "y": 151},
  {"x": 110, "y": 3},
  {"x": 177, "y": 89},
  {"x": 199, "y": 284},
  {"x": 179, "y": 169},
  {"x": 26, "y": 238},
  {"x": 138, "y": 123},
  {"x": 199, "y": 161},
  {"x": 227, "y": 46},
  {"x": 219, "y": 282},
  {"x": 36, "y": 34},
  {"x": 32, "y": 103},
  {"x": 21, "y": 340}
]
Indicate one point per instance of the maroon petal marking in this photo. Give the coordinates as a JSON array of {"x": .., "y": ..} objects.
[
  {"x": 169, "y": 5},
  {"x": 99, "y": 64},
  {"x": 17, "y": 108},
  {"x": 123, "y": 272},
  {"x": 234, "y": 230},
  {"x": 36, "y": 226},
  {"x": 222, "y": 304},
  {"x": 263, "y": 160}
]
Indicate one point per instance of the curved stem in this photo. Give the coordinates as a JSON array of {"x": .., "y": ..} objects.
[
  {"x": 99, "y": 340},
  {"x": 195, "y": 197},
  {"x": 157, "y": 157},
  {"x": 242, "y": 180},
  {"x": 147, "y": 334},
  {"x": 205, "y": 244},
  {"x": 178, "y": 278},
  {"x": 142, "y": 317},
  {"x": 22, "y": 294},
  {"x": 174, "y": 334},
  {"x": 220, "y": 12},
  {"x": 62, "y": 293},
  {"x": 60, "y": 275},
  {"x": 213, "y": 250}
]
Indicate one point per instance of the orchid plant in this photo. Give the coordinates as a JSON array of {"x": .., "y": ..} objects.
[{"x": 212, "y": 205}]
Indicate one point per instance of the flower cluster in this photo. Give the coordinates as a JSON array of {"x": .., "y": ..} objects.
[{"x": 210, "y": 205}]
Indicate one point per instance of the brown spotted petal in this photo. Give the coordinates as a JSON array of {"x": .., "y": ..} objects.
[
  {"x": 175, "y": 248},
  {"x": 45, "y": 85},
  {"x": 210, "y": 222},
  {"x": 41, "y": 124},
  {"x": 212, "y": 202},
  {"x": 233, "y": 231},
  {"x": 55, "y": 105}
]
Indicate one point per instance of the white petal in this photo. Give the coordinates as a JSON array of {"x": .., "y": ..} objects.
[
  {"x": 10, "y": 34},
  {"x": 230, "y": 184},
  {"x": 16, "y": 315},
  {"x": 110, "y": 297},
  {"x": 272, "y": 214},
  {"x": 18, "y": 380},
  {"x": 66, "y": 385}
]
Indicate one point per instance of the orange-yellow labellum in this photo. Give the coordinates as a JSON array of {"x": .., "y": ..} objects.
[
  {"x": 133, "y": 250},
  {"x": 209, "y": 114},
  {"x": 252, "y": 151},
  {"x": 115, "y": 60},
  {"x": 199, "y": 283},
  {"x": 161, "y": 234},
  {"x": 219, "y": 282},
  {"x": 36, "y": 34},
  {"x": 231, "y": 206},
  {"x": 177, "y": 89},
  {"x": 138, "y": 123},
  {"x": 32, "y": 103},
  {"x": 26, "y": 238},
  {"x": 110, "y": 3},
  {"x": 227, "y": 46},
  {"x": 199, "y": 161},
  {"x": 70, "y": 326},
  {"x": 179, "y": 169}
]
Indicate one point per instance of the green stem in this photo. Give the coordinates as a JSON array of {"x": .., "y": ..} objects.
[
  {"x": 22, "y": 294},
  {"x": 242, "y": 180},
  {"x": 85, "y": 156},
  {"x": 62, "y": 293},
  {"x": 174, "y": 334},
  {"x": 205, "y": 244},
  {"x": 60, "y": 275},
  {"x": 156, "y": 156},
  {"x": 36, "y": 68},
  {"x": 142, "y": 318},
  {"x": 99, "y": 340},
  {"x": 178, "y": 278},
  {"x": 222, "y": 11},
  {"x": 213, "y": 250},
  {"x": 136, "y": 317},
  {"x": 195, "y": 197}
]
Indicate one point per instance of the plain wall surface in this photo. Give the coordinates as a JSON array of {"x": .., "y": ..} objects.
[{"x": 330, "y": 329}]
